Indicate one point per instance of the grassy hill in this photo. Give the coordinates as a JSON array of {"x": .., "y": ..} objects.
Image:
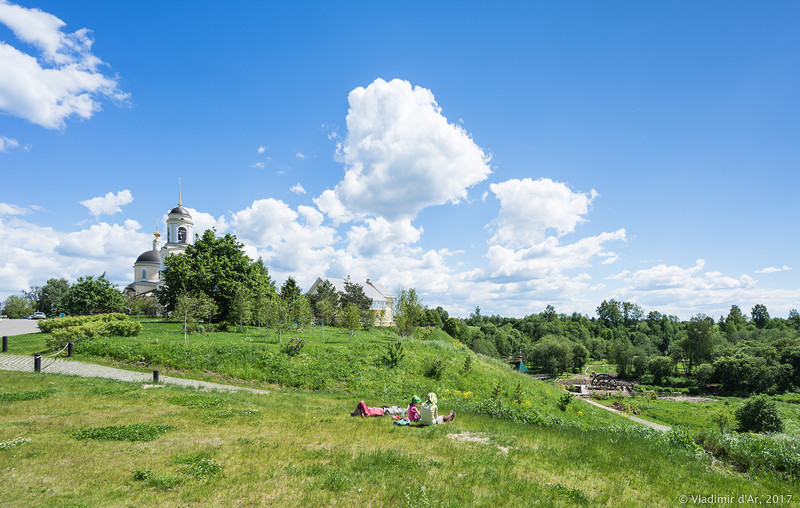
[{"x": 84, "y": 442}]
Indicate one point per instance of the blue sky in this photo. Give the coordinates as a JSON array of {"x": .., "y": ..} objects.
[{"x": 510, "y": 156}]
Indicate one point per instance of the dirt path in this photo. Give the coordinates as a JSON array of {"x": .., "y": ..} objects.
[
  {"x": 74, "y": 368},
  {"x": 656, "y": 426}
]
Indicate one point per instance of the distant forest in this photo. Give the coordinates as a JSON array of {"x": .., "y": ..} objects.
[{"x": 735, "y": 355}]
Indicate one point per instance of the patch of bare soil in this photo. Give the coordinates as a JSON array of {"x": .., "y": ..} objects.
[
  {"x": 683, "y": 398},
  {"x": 477, "y": 438}
]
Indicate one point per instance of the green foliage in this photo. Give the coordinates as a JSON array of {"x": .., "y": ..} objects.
[
  {"x": 50, "y": 296},
  {"x": 134, "y": 432},
  {"x": 408, "y": 311},
  {"x": 325, "y": 301},
  {"x": 92, "y": 296},
  {"x": 435, "y": 368},
  {"x": 564, "y": 401},
  {"x": 74, "y": 329},
  {"x": 759, "y": 414},
  {"x": 17, "y": 306},
  {"x": 451, "y": 327},
  {"x": 518, "y": 394},
  {"x": 752, "y": 452},
  {"x": 214, "y": 267},
  {"x": 553, "y": 355},
  {"x": 160, "y": 482},
  {"x": 467, "y": 364},
  {"x": 18, "y": 396},
  {"x": 394, "y": 354},
  {"x": 293, "y": 347},
  {"x": 290, "y": 290},
  {"x": 660, "y": 367},
  {"x": 722, "y": 418},
  {"x": 351, "y": 318}
]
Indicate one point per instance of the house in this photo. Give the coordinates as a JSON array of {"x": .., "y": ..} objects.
[{"x": 382, "y": 299}]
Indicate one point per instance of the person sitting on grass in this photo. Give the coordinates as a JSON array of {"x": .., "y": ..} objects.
[
  {"x": 430, "y": 412},
  {"x": 364, "y": 410},
  {"x": 413, "y": 411}
]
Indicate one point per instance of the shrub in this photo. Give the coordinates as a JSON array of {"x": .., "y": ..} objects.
[
  {"x": 293, "y": 347},
  {"x": 435, "y": 369},
  {"x": 467, "y": 364},
  {"x": 394, "y": 354},
  {"x": 564, "y": 401},
  {"x": 759, "y": 414}
]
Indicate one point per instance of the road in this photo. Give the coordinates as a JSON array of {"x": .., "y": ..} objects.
[{"x": 11, "y": 327}]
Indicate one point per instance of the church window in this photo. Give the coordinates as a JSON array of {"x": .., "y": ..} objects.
[
  {"x": 144, "y": 273},
  {"x": 181, "y": 235}
]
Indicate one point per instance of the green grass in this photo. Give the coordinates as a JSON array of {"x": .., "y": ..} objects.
[
  {"x": 302, "y": 448},
  {"x": 298, "y": 445}
]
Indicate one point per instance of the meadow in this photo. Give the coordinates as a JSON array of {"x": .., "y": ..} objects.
[{"x": 67, "y": 441}]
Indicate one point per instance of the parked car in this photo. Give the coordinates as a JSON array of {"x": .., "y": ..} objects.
[{"x": 38, "y": 315}]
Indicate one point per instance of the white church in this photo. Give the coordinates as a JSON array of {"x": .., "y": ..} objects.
[{"x": 147, "y": 267}]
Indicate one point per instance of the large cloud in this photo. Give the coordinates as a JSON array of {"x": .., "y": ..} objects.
[
  {"x": 290, "y": 241},
  {"x": 531, "y": 208},
  {"x": 64, "y": 81},
  {"x": 401, "y": 155}
]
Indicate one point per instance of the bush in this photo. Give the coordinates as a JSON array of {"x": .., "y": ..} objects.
[
  {"x": 759, "y": 414},
  {"x": 435, "y": 369},
  {"x": 293, "y": 347},
  {"x": 394, "y": 354}
]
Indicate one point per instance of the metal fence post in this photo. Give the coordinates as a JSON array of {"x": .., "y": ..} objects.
[
  {"x": 69, "y": 349},
  {"x": 155, "y": 376},
  {"x": 37, "y": 363},
  {"x": 5, "y": 343}
]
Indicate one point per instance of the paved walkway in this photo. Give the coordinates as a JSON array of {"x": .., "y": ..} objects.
[
  {"x": 654, "y": 425},
  {"x": 75, "y": 368}
]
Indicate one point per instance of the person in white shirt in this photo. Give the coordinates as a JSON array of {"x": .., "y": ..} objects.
[{"x": 429, "y": 412}]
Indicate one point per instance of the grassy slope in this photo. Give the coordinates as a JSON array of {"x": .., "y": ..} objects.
[
  {"x": 302, "y": 447},
  {"x": 290, "y": 448}
]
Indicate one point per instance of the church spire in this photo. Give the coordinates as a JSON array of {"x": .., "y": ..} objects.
[{"x": 179, "y": 192}]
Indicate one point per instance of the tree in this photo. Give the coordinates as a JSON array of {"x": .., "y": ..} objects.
[
  {"x": 451, "y": 328},
  {"x": 621, "y": 354},
  {"x": 660, "y": 367},
  {"x": 216, "y": 267},
  {"x": 610, "y": 313},
  {"x": 190, "y": 306},
  {"x": 278, "y": 315},
  {"x": 50, "y": 295},
  {"x": 92, "y": 296},
  {"x": 302, "y": 311},
  {"x": 760, "y": 315},
  {"x": 290, "y": 290},
  {"x": 699, "y": 341},
  {"x": 15, "y": 307},
  {"x": 407, "y": 312},
  {"x": 553, "y": 354},
  {"x": 327, "y": 297},
  {"x": 241, "y": 306},
  {"x": 351, "y": 319}
]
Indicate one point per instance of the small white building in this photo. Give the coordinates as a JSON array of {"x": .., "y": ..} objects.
[{"x": 382, "y": 299}]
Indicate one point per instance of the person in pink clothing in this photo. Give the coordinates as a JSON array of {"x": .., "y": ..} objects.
[
  {"x": 364, "y": 410},
  {"x": 413, "y": 412}
]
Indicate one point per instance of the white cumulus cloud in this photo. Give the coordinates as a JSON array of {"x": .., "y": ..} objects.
[
  {"x": 773, "y": 269},
  {"x": 108, "y": 204},
  {"x": 401, "y": 155},
  {"x": 297, "y": 188},
  {"x": 529, "y": 209},
  {"x": 63, "y": 81}
]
